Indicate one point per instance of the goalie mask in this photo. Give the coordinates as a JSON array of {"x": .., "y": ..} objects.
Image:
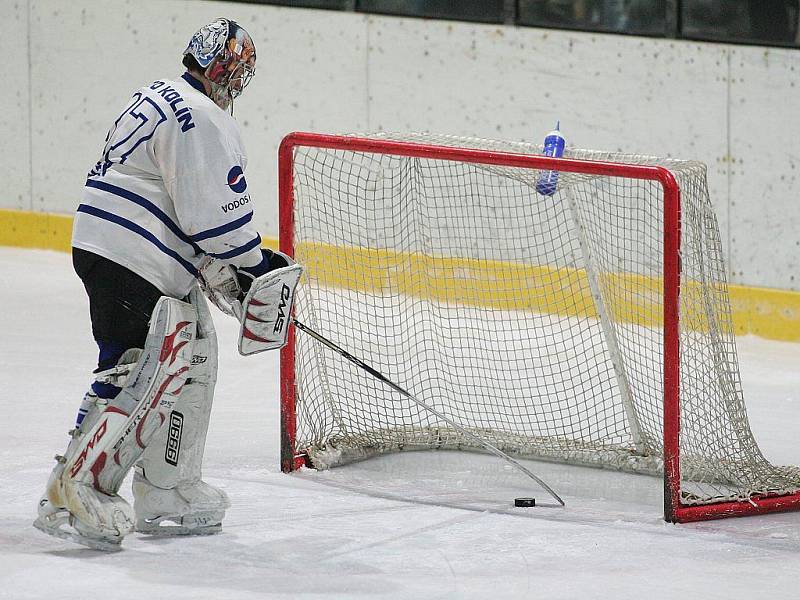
[{"x": 227, "y": 55}]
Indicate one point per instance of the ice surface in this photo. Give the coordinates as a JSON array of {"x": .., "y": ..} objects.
[{"x": 415, "y": 525}]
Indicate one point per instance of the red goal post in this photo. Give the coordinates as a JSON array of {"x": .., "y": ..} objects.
[{"x": 294, "y": 456}]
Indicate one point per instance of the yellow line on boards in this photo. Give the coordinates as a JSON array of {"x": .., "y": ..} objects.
[
  {"x": 769, "y": 313},
  {"x": 47, "y": 231},
  {"x": 25, "y": 229}
]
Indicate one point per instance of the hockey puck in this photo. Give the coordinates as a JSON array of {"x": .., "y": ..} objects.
[{"x": 524, "y": 501}]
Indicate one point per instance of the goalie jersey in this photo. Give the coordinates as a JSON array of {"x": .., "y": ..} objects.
[{"x": 169, "y": 189}]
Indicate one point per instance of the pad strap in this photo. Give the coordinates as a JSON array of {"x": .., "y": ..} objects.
[{"x": 118, "y": 375}]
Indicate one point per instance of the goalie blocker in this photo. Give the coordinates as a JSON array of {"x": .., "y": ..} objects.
[
  {"x": 267, "y": 309},
  {"x": 264, "y": 311}
]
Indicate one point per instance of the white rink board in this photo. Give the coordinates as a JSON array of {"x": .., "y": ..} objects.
[
  {"x": 330, "y": 71},
  {"x": 432, "y": 525}
]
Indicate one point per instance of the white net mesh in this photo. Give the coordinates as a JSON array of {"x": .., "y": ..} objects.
[{"x": 533, "y": 321}]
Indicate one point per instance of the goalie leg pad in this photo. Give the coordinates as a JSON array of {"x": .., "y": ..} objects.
[
  {"x": 130, "y": 420},
  {"x": 82, "y": 490},
  {"x": 170, "y": 497},
  {"x": 267, "y": 309}
]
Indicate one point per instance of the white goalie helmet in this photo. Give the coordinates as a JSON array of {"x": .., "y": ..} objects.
[{"x": 227, "y": 55}]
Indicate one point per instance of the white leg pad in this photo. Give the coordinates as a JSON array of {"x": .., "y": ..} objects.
[
  {"x": 170, "y": 497},
  {"x": 82, "y": 490}
]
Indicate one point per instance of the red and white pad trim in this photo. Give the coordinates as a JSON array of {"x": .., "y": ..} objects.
[{"x": 121, "y": 433}]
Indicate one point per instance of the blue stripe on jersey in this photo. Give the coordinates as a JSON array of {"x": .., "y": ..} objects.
[
  {"x": 147, "y": 205},
  {"x": 216, "y": 231},
  {"x": 256, "y": 241},
  {"x": 122, "y": 222}
]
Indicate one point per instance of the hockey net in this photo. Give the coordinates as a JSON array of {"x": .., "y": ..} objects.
[{"x": 563, "y": 328}]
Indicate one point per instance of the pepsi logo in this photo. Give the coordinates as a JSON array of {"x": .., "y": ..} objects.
[{"x": 236, "y": 180}]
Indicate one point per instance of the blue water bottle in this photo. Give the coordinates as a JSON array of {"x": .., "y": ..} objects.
[{"x": 553, "y": 146}]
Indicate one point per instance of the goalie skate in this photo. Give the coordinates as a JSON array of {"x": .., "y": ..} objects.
[
  {"x": 111, "y": 517},
  {"x": 58, "y": 522},
  {"x": 193, "y": 509}
]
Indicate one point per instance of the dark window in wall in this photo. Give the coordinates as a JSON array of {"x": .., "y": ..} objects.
[
  {"x": 334, "y": 4},
  {"x": 643, "y": 17},
  {"x": 763, "y": 22},
  {"x": 487, "y": 11},
  {"x": 753, "y": 21}
]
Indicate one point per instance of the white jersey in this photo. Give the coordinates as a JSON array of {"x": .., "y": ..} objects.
[{"x": 169, "y": 189}]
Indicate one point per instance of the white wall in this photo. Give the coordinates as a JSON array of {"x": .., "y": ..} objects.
[
  {"x": 733, "y": 107},
  {"x": 15, "y": 163}
]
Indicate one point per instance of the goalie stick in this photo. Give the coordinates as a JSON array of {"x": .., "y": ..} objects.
[{"x": 377, "y": 375}]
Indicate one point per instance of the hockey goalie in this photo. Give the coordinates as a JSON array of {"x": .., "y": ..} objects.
[{"x": 165, "y": 212}]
